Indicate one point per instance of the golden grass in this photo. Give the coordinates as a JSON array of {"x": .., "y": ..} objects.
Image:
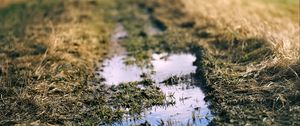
[
  {"x": 5, "y": 3},
  {"x": 243, "y": 93},
  {"x": 275, "y": 21},
  {"x": 48, "y": 52},
  {"x": 49, "y": 58}
]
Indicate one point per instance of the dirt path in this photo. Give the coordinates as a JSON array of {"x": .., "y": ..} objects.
[
  {"x": 245, "y": 81},
  {"x": 48, "y": 62}
]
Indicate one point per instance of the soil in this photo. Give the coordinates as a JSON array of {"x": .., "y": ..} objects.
[{"x": 49, "y": 61}]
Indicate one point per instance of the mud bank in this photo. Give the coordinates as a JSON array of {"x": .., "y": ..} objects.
[
  {"x": 173, "y": 75},
  {"x": 50, "y": 78},
  {"x": 242, "y": 89}
]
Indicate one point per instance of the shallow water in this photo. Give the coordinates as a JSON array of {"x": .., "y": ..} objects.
[
  {"x": 189, "y": 107},
  {"x": 116, "y": 71},
  {"x": 167, "y": 65}
]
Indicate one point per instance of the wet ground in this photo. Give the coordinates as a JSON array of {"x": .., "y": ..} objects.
[{"x": 185, "y": 99}]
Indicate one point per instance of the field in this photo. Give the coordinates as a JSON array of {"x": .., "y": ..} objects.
[{"x": 57, "y": 59}]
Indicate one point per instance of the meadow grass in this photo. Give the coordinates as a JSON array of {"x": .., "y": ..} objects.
[
  {"x": 247, "y": 56},
  {"x": 255, "y": 54},
  {"x": 275, "y": 21},
  {"x": 48, "y": 52}
]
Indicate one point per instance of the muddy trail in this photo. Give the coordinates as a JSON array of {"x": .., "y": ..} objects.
[
  {"x": 132, "y": 62},
  {"x": 195, "y": 67},
  {"x": 172, "y": 72},
  {"x": 173, "y": 75}
]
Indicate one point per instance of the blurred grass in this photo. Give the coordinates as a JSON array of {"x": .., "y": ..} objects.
[
  {"x": 15, "y": 17},
  {"x": 49, "y": 51},
  {"x": 291, "y": 3},
  {"x": 274, "y": 21},
  {"x": 291, "y": 8},
  {"x": 254, "y": 56}
]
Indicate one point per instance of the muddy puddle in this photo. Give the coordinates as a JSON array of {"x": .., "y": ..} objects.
[{"x": 186, "y": 98}]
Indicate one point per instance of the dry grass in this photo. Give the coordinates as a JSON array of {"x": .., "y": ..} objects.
[
  {"x": 48, "y": 63},
  {"x": 275, "y": 21},
  {"x": 48, "y": 52},
  {"x": 248, "y": 83},
  {"x": 248, "y": 56},
  {"x": 5, "y": 3},
  {"x": 47, "y": 60}
]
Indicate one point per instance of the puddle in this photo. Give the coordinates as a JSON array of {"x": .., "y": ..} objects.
[
  {"x": 167, "y": 65},
  {"x": 189, "y": 106},
  {"x": 116, "y": 71},
  {"x": 119, "y": 33}
]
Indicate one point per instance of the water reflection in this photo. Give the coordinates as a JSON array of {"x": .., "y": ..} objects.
[
  {"x": 116, "y": 71},
  {"x": 189, "y": 107}
]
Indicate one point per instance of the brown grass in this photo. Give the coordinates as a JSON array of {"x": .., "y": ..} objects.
[
  {"x": 247, "y": 83},
  {"x": 275, "y": 21},
  {"x": 48, "y": 53},
  {"x": 250, "y": 78},
  {"x": 5, "y": 3},
  {"x": 47, "y": 60}
]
